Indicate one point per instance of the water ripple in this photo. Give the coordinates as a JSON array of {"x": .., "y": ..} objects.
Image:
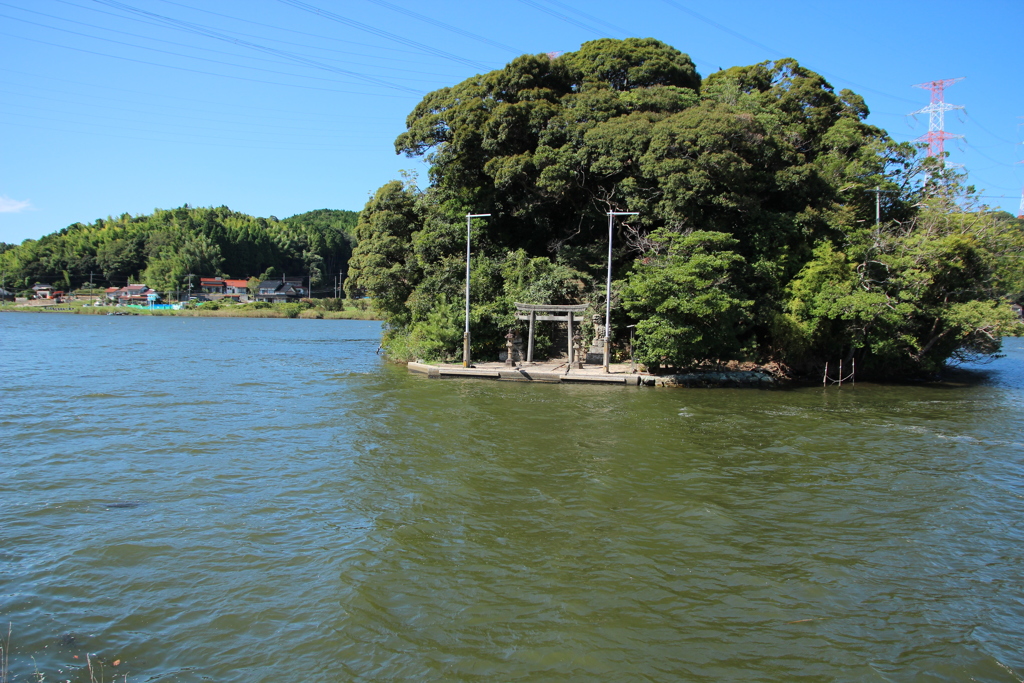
[{"x": 314, "y": 514}]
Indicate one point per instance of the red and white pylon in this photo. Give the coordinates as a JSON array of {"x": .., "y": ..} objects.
[{"x": 936, "y": 136}]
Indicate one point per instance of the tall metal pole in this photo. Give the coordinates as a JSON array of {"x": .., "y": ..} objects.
[
  {"x": 465, "y": 335},
  {"x": 608, "y": 290}
]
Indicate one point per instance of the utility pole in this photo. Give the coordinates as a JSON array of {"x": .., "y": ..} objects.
[
  {"x": 936, "y": 110},
  {"x": 878, "y": 204},
  {"x": 465, "y": 335},
  {"x": 190, "y": 286},
  {"x": 608, "y": 290}
]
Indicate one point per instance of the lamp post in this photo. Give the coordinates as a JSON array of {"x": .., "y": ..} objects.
[
  {"x": 465, "y": 335},
  {"x": 608, "y": 289}
]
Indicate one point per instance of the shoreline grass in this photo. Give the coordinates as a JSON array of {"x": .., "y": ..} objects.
[{"x": 240, "y": 311}]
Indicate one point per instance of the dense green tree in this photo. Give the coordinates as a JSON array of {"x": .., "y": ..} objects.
[
  {"x": 685, "y": 295},
  {"x": 118, "y": 258},
  {"x": 178, "y": 257},
  {"x": 904, "y": 297},
  {"x": 383, "y": 263}
]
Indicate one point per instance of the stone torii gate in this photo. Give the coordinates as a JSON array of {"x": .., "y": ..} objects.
[{"x": 530, "y": 311}]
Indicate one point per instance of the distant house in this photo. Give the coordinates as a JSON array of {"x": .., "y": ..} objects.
[
  {"x": 6, "y": 295},
  {"x": 219, "y": 288},
  {"x": 212, "y": 285},
  {"x": 236, "y": 289},
  {"x": 43, "y": 291},
  {"x": 285, "y": 289},
  {"x": 132, "y": 294}
]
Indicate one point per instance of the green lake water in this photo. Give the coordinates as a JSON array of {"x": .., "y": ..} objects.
[{"x": 213, "y": 499}]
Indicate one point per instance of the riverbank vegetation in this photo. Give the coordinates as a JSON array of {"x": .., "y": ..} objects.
[
  {"x": 321, "y": 309},
  {"x": 756, "y": 238},
  {"x": 162, "y": 249}
]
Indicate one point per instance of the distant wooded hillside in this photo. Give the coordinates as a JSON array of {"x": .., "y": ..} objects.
[{"x": 163, "y": 248}]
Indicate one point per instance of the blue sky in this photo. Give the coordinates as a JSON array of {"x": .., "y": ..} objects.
[{"x": 275, "y": 107}]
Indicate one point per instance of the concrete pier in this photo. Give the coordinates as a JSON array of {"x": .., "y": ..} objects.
[
  {"x": 551, "y": 371},
  {"x": 619, "y": 373}
]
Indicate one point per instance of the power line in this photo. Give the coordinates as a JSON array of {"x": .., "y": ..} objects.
[
  {"x": 590, "y": 17},
  {"x": 724, "y": 28},
  {"x": 997, "y": 137},
  {"x": 306, "y": 7},
  {"x": 318, "y": 135},
  {"x": 447, "y": 27},
  {"x": 250, "y": 145},
  {"x": 210, "y": 33},
  {"x": 256, "y": 23},
  {"x": 1001, "y": 163},
  {"x": 993, "y": 186},
  {"x": 161, "y": 96},
  {"x": 563, "y": 17},
  {"x": 205, "y": 73},
  {"x": 171, "y": 42},
  {"x": 117, "y": 105},
  {"x": 617, "y": 29},
  {"x": 282, "y": 28},
  {"x": 178, "y": 54},
  {"x": 775, "y": 52}
]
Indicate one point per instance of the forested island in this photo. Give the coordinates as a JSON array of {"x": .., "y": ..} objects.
[
  {"x": 757, "y": 238},
  {"x": 163, "y": 248}
]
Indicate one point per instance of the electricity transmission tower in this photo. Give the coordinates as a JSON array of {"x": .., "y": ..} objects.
[{"x": 936, "y": 136}]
